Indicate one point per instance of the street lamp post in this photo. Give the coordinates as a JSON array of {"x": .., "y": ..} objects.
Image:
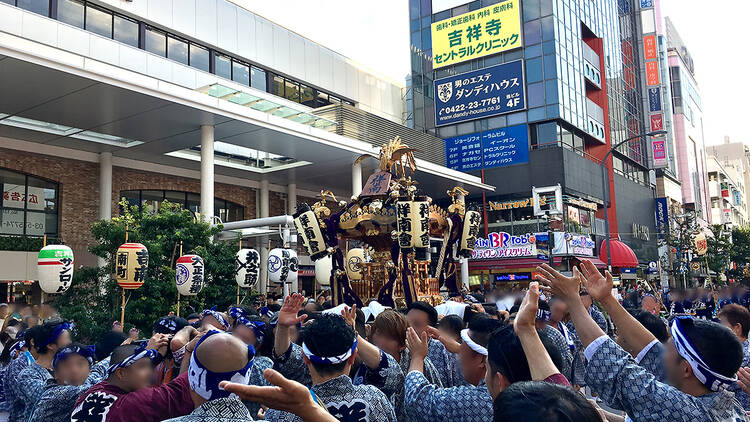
[{"x": 605, "y": 187}]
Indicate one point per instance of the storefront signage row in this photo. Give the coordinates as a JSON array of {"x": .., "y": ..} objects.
[
  {"x": 504, "y": 245},
  {"x": 529, "y": 202}
]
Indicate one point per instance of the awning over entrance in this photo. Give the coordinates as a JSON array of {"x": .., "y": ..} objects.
[{"x": 622, "y": 256}]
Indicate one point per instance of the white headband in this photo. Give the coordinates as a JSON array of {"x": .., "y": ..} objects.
[{"x": 471, "y": 343}]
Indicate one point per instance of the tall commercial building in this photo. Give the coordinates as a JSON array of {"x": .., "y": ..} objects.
[
  {"x": 533, "y": 94},
  {"x": 726, "y": 187},
  {"x": 734, "y": 157},
  {"x": 202, "y": 103}
]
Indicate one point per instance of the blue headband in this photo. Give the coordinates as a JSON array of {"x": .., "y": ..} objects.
[
  {"x": 205, "y": 382},
  {"x": 68, "y": 351},
  {"x": 169, "y": 323},
  {"x": 236, "y": 312},
  {"x": 218, "y": 316},
  {"x": 543, "y": 315},
  {"x": 258, "y": 327},
  {"x": 56, "y": 333},
  {"x": 17, "y": 346},
  {"x": 330, "y": 360},
  {"x": 568, "y": 337},
  {"x": 714, "y": 381},
  {"x": 137, "y": 355}
]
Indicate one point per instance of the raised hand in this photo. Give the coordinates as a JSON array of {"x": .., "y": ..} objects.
[
  {"x": 526, "y": 317},
  {"x": 743, "y": 379},
  {"x": 598, "y": 286},
  {"x": 350, "y": 315},
  {"x": 418, "y": 346},
  {"x": 567, "y": 288},
  {"x": 288, "y": 313}
]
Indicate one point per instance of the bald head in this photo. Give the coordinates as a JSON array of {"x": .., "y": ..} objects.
[{"x": 222, "y": 353}]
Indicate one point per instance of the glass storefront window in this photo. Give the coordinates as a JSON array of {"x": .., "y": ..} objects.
[
  {"x": 28, "y": 205},
  {"x": 70, "y": 12},
  {"x": 150, "y": 201},
  {"x": 193, "y": 202},
  {"x": 223, "y": 66},
  {"x": 307, "y": 96},
  {"x": 240, "y": 73},
  {"x": 126, "y": 31},
  {"x": 37, "y": 6},
  {"x": 98, "y": 21},
  {"x": 177, "y": 50},
  {"x": 277, "y": 86},
  {"x": 199, "y": 58},
  {"x": 291, "y": 91},
  {"x": 156, "y": 42},
  {"x": 258, "y": 78}
]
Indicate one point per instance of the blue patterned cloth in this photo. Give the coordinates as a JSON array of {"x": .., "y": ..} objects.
[
  {"x": 430, "y": 373},
  {"x": 579, "y": 360},
  {"x": 346, "y": 402},
  {"x": 227, "y": 409},
  {"x": 3, "y": 402},
  {"x": 561, "y": 345},
  {"x": 387, "y": 377},
  {"x": 598, "y": 317},
  {"x": 426, "y": 403},
  {"x": 57, "y": 401},
  {"x": 260, "y": 364},
  {"x": 31, "y": 383},
  {"x": 742, "y": 396},
  {"x": 613, "y": 374},
  {"x": 446, "y": 363},
  {"x": 12, "y": 387}
]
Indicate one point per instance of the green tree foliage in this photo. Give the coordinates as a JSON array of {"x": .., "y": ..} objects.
[
  {"x": 740, "y": 254},
  {"x": 719, "y": 248},
  {"x": 94, "y": 298}
]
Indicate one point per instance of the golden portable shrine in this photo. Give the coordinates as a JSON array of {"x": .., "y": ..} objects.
[{"x": 394, "y": 222}]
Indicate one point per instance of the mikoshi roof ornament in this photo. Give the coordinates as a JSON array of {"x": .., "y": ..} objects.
[{"x": 395, "y": 223}]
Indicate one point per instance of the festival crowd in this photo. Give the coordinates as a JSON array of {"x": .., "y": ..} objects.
[{"x": 570, "y": 347}]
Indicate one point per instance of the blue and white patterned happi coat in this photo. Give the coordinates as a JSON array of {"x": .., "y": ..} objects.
[
  {"x": 446, "y": 363},
  {"x": 742, "y": 396},
  {"x": 428, "y": 403},
  {"x": 614, "y": 375},
  {"x": 11, "y": 387},
  {"x": 561, "y": 345},
  {"x": 346, "y": 402},
  {"x": 31, "y": 382},
  {"x": 260, "y": 364},
  {"x": 227, "y": 409},
  {"x": 58, "y": 401},
  {"x": 398, "y": 400}
]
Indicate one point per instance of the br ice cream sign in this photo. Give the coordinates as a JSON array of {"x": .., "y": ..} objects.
[{"x": 505, "y": 245}]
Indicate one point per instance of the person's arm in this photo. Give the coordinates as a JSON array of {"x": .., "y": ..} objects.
[
  {"x": 284, "y": 395},
  {"x": 182, "y": 337},
  {"x": 30, "y": 384},
  {"x": 450, "y": 345},
  {"x": 600, "y": 288},
  {"x": 98, "y": 372},
  {"x": 540, "y": 363},
  {"x": 287, "y": 318},
  {"x": 155, "y": 403},
  {"x": 567, "y": 288},
  {"x": 366, "y": 351}
]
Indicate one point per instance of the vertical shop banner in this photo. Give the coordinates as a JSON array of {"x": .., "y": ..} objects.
[
  {"x": 726, "y": 216},
  {"x": 662, "y": 216},
  {"x": 659, "y": 151},
  {"x": 652, "y": 73},
  {"x": 481, "y": 93},
  {"x": 657, "y": 122},
  {"x": 493, "y": 148},
  {"x": 464, "y": 153},
  {"x": 724, "y": 190},
  {"x": 478, "y": 33},
  {"x": 506, "y": 146},
  {"x": 647, "y": 3},
  {"x": 654, "y": 99},
  {"x": 649, "y": 47}
]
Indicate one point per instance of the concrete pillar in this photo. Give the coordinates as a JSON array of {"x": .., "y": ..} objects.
[
  {"x": 263, "y": 208},
  {"x": 356, "y": 179},
  {"x": 207, "y": 172},
  {"x": 291, "y": 194},
  {"x": 105, "y": 191}
]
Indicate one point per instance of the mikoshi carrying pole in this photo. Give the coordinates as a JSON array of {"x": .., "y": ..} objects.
[{"x": 122, "y": 308}]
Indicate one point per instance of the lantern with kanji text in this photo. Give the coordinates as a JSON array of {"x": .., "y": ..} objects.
[
  {"x": 247, "y": 268},
  {"x": 131, "y": 263},
  {"x": 189, "y": 275},
  {"x": 54, "y": 268}
]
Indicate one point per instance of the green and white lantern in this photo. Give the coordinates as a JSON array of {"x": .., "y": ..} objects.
[{"x": 54, "y": 268}]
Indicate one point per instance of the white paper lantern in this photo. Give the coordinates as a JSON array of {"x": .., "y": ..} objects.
[
  {"x": 469, "y": 233},
  {"x": 323, "y": 269},
  {"x": 247, "y": 268},
  {"x": 189, "y": 275},
  {"x": 354, "y": 260},
  {"x": 282, "y": 266},
  {"x": 404, "y": 224},
  {"x": 54, "y": 268},
  {"x": 131, "y": 264}
]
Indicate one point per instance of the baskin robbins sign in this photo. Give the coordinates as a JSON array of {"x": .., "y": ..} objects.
[{"x": 505, "y": 245}]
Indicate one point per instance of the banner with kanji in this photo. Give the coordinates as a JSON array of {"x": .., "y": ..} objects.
[{"x": 478, "y": 33}]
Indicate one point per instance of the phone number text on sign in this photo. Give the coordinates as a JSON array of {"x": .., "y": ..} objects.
[{"x": 487, "y": 92}]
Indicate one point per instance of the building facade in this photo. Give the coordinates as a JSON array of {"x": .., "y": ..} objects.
[
  {"x": 580, "y": 65},
  {"x": 203, "y": 103},
  {"x": 726, "y": 186}
]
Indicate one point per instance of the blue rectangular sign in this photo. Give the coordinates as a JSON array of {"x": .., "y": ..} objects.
[
  {"x": 481, "y": 93},
  {"x": 464, "y": 153},
  {"x": 647, "y": 3},
  {"x": 654, "y": 99},
  {"x": 506, "y": 146},
  {"x": 662, "y": 216},
  {"x": 493, "y": 148}
]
